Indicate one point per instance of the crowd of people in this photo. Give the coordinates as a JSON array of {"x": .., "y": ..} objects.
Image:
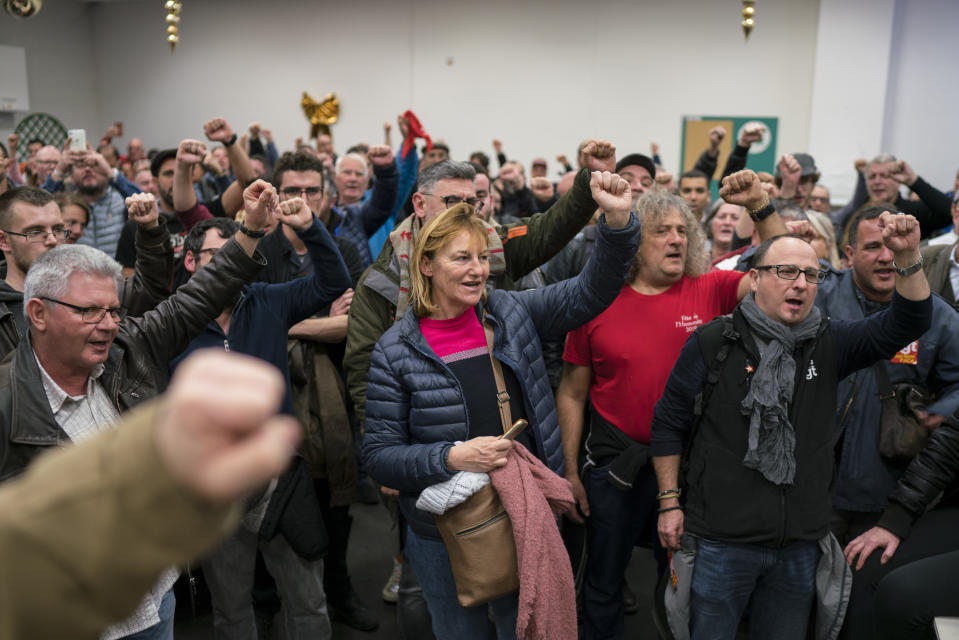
[{"x": 729, "y": 382}]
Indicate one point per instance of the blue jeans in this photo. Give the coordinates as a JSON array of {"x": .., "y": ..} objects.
[
  {"x": 229, "y": 574},
  {"x": 616, "y": 518},
  {"x": 163, "y": 630},
  {"x": 778, "y": 586},
  {"x": 451, "y": 621}
]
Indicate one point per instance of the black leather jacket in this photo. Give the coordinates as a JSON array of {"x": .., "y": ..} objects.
[
  {"x": 934, "y": 470},
  {"x": 135, "y": 369}
]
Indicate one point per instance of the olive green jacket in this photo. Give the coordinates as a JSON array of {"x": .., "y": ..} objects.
[
  {"x": 86, "y": 531},
  {"x": 527, "y": 244}
]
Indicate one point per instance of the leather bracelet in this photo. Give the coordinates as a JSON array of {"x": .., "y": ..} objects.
[
  {"x": 230, "y": 142},
  {"x": 252, "y": 233},
  {"x": 665, "y": 509},
  {"x": 762, "y": 214},
  {"x": 669, "y": 493}
]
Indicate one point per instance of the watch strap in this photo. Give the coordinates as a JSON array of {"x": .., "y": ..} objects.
[{"x": 253, "y": 233}]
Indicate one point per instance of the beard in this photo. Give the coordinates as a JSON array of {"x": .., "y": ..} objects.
[{"x": 93, "y": 189}]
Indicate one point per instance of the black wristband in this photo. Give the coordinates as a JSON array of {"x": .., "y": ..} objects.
[
  {"x": 762, "y": 214},
  {"x": 258, "y": 233},
  {"x": 230, "y": 142},
  {"x": 665, "y": 509}
]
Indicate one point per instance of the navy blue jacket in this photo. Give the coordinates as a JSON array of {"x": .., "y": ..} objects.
[
  {"x": 362, "y": 219},
  {"x": 415, "y": 407},
  {"x": 865, "y": 478},
  {"x": 265, "y": 312}
]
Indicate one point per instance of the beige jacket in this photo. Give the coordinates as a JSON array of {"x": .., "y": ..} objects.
[{"x": 86, "y": 531}]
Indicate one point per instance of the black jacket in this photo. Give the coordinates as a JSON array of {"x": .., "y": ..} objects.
[
  {"x": 727, "y": 501},
  {"x": 935, "y": 470}
]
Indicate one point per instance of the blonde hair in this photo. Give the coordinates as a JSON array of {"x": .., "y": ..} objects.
[
  {"x": 823, "y": 227},
  {"x": 432, "y": 238},
  {"x": 652, "y": 208}
]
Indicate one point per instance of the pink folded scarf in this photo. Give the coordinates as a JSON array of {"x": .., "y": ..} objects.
[{"x": 531, "y": 495}]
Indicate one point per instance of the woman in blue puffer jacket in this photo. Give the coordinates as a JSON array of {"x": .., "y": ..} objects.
[{"x": 431, "y": 406}]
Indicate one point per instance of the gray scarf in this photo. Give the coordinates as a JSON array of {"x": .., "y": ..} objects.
[{"x": 772, "y": 438}]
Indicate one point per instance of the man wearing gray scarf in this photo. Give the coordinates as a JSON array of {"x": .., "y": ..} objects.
[{"x": 750, "y": 408}]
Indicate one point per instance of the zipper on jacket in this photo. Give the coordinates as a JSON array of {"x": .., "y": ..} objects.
[
  {"x": 782, "y": 510},
  {"x": 226, "y": 344},
  {"x": 432, "y": 356}
]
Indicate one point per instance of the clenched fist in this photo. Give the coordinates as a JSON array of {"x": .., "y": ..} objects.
[
  {"x": 599, "y": 155},
  {"x": 190, "y": 152},
  {"x": 790, "y": 170},
  {"x": 296, "y": 214},
  {"x": 261, "y": 202},
  {"x": 611, "y": 194},
  {"x": 750, "y": 134},
  {"x": 716, "y": 135},
  {"x": 380, "y": 155},
  {"x": 900, "y": 232},
  {"x": 743, "y": 188},
  {"x": 541, "y": 187},
  {"x": 218, "y": 130},
  {"x": 900, "y": 171},
  {"x": 142, "y": 209}
]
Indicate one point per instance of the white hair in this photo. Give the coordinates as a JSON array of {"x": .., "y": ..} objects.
[
  {"x": 49, "y": 274},
  {"x": 356, "y": 156}
]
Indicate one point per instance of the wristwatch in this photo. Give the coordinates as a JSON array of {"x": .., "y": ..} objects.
[
  {"x": 911, "y": 269},
  {"x": 230, "y": 142},
  {"x": 253, "y": 233}
]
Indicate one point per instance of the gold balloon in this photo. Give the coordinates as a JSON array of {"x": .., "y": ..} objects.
[
  {"x": 748, "y": 21},
  {"x": 171, "y": 29},
  {"x": 169, "y": 5},
  {"x": 749, "y": 11},
  {"x": 172, "y": 19},
  {"x": 172, "y": 38}
]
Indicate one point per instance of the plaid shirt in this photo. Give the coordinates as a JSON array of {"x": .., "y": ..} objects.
[{"x": 82, "y": 417}]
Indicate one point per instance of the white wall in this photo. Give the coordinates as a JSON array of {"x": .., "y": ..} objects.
[
  {"x": 539, "y": 75},
  {"x": 60, "y": 64},
  {"x": 921, "y": 124}
]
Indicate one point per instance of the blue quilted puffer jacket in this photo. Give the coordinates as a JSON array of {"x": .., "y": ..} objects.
[{"x": 415, "y": 409}]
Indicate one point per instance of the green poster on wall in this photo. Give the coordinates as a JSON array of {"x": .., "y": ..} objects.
[{"x": 762, "y": 154}]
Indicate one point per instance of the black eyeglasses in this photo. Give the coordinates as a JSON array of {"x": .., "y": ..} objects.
[
  {"x": 212, "y": 251},
  {"x": 36, "y": 236},
  {"x": 452, "y": 201},
  {"x": 791, "y": 272},
  {"x": 92, "y": 315},
  {"x": 309, "y": 192}
]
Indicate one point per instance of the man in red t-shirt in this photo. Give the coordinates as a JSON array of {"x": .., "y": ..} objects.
[{"x": 621, "y": 359}]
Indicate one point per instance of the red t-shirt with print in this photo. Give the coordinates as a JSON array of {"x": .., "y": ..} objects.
[{"x": 633, "y": 345}]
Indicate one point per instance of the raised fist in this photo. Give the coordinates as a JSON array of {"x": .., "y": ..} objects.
[
  {"x": 790, "y": 170},
  {"x": 900, "y": 232},
  {"x": 599, "y": 155},
  {"x": 254, "y": 129},
  {"x": 387, "y": 127},
  {"x": 404, "y": 125},
  {"x": 498, "y": 146},
  {"x": 611, "y": 194},
  {"x": 13, "y": 141},
  {"x": 801, "y": 228},
  {"x": 743, "y": 188},
  {"x": 750, "y": 134},
  {"x": 190, "y": 152},
  {"x": 296, "y": 214},
  {"x": 218, "y": 130},
  {"x": 859, "y": 164},
  {"x": 653, "y": 149},
  {"x": 142, "y": 209},
  {"x": 260, "y": 201},
  {"x": 541, "y": 187},
  {"x": 664, "y": 179},
  {"x": 380, "y": 155},
  {"x": 900, "y": 171},
  {"x": 716, "y": 135},
  {"x": 562, "y": 159}
]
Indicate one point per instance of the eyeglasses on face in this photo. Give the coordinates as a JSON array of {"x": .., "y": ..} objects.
[
  {"x": 452, "y": 201},
  {"x": 309, "y": 192},
  {"x": 37, "y": 236},
  {"x": 212, "y": 251},
  {"x": 791, "y": 272},
  {"x": 92, "y": 315}
]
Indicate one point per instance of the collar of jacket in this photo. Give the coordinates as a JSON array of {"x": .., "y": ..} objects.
[{"x": 31, "y": 418}]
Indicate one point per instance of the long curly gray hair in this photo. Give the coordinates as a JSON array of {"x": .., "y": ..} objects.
[{"x": 652, "y": 207}]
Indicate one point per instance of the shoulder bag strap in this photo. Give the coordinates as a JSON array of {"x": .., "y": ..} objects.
[{"x": 502, "y": 398}]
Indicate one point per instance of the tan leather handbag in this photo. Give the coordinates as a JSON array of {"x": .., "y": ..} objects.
[{"x": 477, "y": 532}]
